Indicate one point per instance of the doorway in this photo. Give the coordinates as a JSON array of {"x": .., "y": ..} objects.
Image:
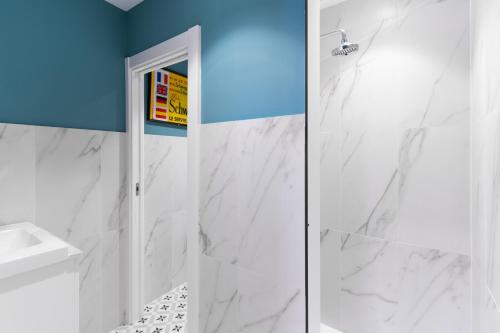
[{"x": 157, "y": 60}]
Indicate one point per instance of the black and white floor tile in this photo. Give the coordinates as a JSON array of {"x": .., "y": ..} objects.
[{"x": 166, "y": 314}]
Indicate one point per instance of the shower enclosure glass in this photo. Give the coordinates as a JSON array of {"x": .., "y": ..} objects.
[{"x": 395, "y": 168}]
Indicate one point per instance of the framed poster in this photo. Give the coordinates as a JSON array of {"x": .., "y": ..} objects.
[{"x": 168, "y": 99}]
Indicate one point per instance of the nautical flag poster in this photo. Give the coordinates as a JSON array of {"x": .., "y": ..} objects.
[{"x": 168, "y": 101}]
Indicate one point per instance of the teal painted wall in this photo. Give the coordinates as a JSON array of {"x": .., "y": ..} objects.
[
  {"x": 62, "y": 64},
  {"x": 62, "y": 60},
  {"x": 253, "y": 52}
]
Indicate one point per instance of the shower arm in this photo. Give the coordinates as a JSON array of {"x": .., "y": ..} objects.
[{"x": 335, "y": 32}]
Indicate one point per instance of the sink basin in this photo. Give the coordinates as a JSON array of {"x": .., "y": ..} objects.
[
  {"x": 17, "y": 239},
  {"x": 25, "y": 247}
]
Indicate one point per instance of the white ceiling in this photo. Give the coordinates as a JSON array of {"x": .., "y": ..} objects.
[{"x": 125, "y": 4}]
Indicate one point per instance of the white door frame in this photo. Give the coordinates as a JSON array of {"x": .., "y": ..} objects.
[
  {"x": 186, "y": 46},
  {"x": 313, "y": 166}
]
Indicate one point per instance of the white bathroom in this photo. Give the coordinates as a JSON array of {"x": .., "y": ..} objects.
[{"x": 231, "y": 166}]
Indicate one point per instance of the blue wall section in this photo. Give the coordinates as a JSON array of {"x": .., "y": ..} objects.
[
  {"x": 253, "y": 52},
  {"x": 62, "y": 63}
]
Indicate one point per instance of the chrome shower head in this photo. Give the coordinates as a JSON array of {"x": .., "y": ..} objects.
[{"x": 345, "y": 47}]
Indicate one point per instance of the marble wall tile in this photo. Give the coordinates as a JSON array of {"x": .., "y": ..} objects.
[
  {"x": 401, "y": 107},
  {"x": 271, "y": 208},
  {"x": 165, "y": 161},
  {"x": 252, "y": 174},
  {"x": 68, "y": 161},
  {"x": 269, "y": 305},
  {"x": 219, "y": 298},
  {"x": 111, "y": 281},
  {"x": 330, "y": 186},
  {"x": 73, "y": 183},
  {"x": 158, "y": 256},
  {"x": 179, "y": 252},
  {"x": 69, "y": 205},
  {"x": 369, "y": 276},
  {"x": 434, "y": 188},
  {"x": 490, "y": 314},
  {"x": 219, "y": 228},
  {"x": 91, "y": 297},
  {"x": 435, "y": 293},
  {"x": 252, "y": 224},
  {"x": 436, "y": 59},
  {"x": 330, "y": 277},
  {"x": 369, "y": 176},
  {"x": 491, "y": 187},
  {"x": 485, "y": 165},
  {"x": 114, "y": 172},
  {"x": 360, "y": 19},
  {"x": 17, "y": 173},
  {"x": 400, "y": 288}
]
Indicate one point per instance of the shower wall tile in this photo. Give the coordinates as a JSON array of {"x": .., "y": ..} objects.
[
  {"x": 331, "y": 184},
  {"x": 252, "y": 222},
  {"x": 17, "y": 173},
  {"x": 330, "y": 277},
  {"x": 486, "y": 164},
  {"x": 489, "y": 200},
  {"x": 361, "y": 19},
  {"x": 435, "y": 59},
  {"x": 396, "y": 112},
  {"x": 490, "y": 321},
  {"x": 435, "y": 292},
  {"x": 369, "y": 178},
  {"x": 434, "y": 188},
  {"x": 269, "y": 305},
  {"x": 369, "y": 275},
  {"x": 400, "y": 288}
]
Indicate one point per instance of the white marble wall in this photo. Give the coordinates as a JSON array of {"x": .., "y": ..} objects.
[
  {"x": 252, "y": 226},
  {"x": 395, "y": 167},
  {"x": 72, "y": 183},
  {"x": 486, "y": 165},
  {"x": 165, "y": 161}
]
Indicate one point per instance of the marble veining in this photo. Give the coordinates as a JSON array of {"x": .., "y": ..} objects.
[
  {"x": 72, "y": 183},
  {"x": 395, "y": 167},
  {"x": 219, "y": 296},
  {"x": 485, "y": 165},
  {"x": 400, "y": 288},
  {"x": 252, "y": 225},
  {"x": 165, "y": 237}
]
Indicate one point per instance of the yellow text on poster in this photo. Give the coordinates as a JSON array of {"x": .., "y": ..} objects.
[{"x": 177, "y": 99}]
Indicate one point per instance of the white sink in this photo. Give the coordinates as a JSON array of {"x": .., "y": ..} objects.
[{"x": 25, "y": 247}]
